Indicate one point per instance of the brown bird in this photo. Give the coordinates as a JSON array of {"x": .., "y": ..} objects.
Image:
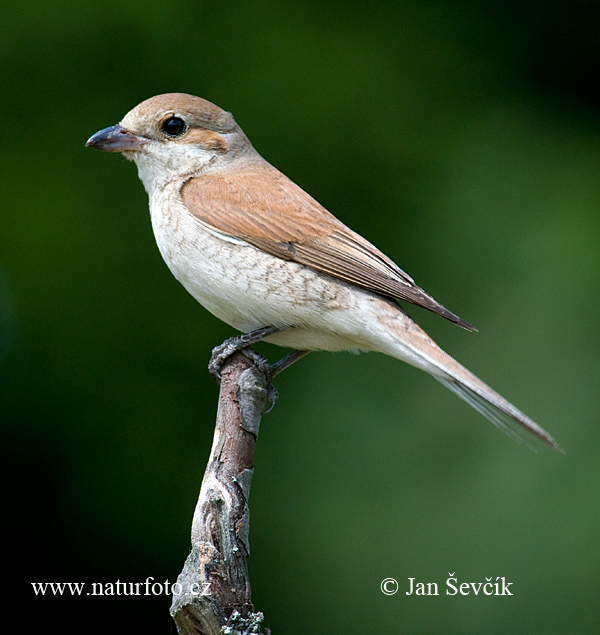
[{"x": 266, "y": 258}]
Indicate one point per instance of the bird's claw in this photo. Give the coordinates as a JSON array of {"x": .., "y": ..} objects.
[
  {"x": 219, "y": 355},
  {"x": 222, "y": 352},
  {"x": 259, "y": 361},
  {"x": 272, "y": 397}
]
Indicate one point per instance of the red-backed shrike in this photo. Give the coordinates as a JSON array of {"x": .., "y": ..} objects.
[{"x": 266, "y": 258}]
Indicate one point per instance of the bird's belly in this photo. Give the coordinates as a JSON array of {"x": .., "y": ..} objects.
[{"x": 249, "y": 289}]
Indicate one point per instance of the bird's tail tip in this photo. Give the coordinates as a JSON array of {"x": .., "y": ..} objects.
[{"x": 503, "y": 415}]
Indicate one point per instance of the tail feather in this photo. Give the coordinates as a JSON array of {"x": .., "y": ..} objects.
[
  {"x": 502, "y": 414},
  {"x": 411, "y": 344}
]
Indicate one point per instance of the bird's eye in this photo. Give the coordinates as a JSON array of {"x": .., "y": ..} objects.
[{"x": 173, "y": 126}]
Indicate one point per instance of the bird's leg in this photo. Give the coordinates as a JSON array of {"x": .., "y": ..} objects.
[
  {"x": 241, "y": 343},
  {"x": 286, "y": 361}
]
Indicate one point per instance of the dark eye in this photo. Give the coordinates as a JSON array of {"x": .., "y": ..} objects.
[{"x": 173, "y": 126}]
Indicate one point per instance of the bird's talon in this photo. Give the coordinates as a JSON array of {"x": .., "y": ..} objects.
[
  {"x": 259, "y": 361},
  {"x": 272, "y": 396},
  {"x": 240, "y": 343}
]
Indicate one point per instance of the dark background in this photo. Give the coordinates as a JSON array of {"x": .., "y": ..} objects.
[{"x": 463, "y": 139}]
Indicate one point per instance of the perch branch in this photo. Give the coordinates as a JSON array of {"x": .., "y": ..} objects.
[{"x": 213, "y": 592}]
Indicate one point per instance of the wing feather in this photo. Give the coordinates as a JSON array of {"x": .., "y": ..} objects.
[{"x": 259, "y": 204}]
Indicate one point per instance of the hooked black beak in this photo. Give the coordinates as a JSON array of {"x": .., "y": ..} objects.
[{"x": 116, "y": 139}]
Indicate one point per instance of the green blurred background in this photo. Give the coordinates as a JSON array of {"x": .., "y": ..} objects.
[{"x": 463, "y": 139}]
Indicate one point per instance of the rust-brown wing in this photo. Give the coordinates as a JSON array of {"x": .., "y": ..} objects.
[{"x": 263, "y": 207}]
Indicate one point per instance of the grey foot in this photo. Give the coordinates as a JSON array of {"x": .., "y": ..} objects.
[
  {"x": 239, "y": 343},
  {"x": 242, "y": 343}
]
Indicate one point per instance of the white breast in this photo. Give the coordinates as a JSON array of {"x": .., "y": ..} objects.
[{"x": 249, "y": 289}]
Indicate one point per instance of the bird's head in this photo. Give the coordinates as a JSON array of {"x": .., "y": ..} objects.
[{"x": 175, "y": 135}]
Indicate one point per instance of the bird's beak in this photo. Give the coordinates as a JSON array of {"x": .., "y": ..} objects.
[{"x": 116, "y": 139}]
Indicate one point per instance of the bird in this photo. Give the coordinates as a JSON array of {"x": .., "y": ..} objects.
[{"x": 267, "y": 259}]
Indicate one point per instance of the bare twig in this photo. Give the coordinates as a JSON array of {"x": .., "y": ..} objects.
[{"x": 212, "y": 595}]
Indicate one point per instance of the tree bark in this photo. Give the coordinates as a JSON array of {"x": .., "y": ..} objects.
[{"x": 213, "y": 589}]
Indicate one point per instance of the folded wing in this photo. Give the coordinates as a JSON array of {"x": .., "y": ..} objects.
[{"x": 260, "y": 205}]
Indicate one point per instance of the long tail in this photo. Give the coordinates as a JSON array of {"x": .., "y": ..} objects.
[
  {"x": 500, "y": 412},
  {"x": 410, "y": 343}
]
